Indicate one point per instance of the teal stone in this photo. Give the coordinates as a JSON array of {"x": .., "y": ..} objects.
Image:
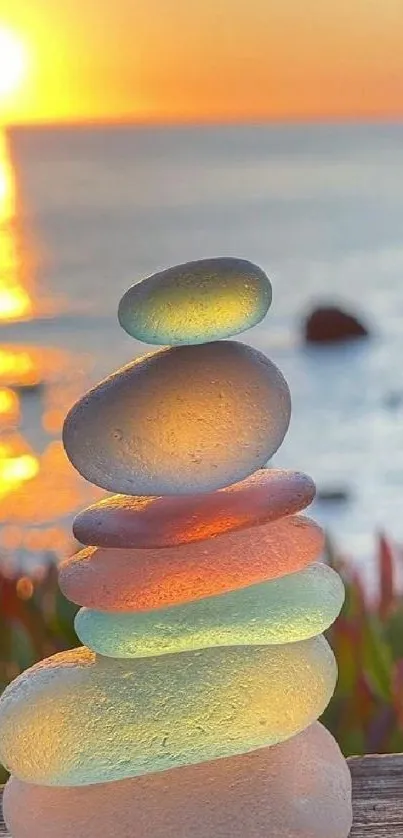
[
  {"x": 285, "y": 610},
  {"x": 196, "y": 302}
]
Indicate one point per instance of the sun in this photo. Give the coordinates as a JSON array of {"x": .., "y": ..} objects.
[{"x": 13, "y": 62}]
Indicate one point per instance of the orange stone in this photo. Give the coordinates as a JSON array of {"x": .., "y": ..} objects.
[
  {"x": 124, "y": 580},
  {"x": 127, "y": 521}
]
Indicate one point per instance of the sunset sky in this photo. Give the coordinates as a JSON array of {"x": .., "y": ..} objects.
[{"x": 200, "y": 59}]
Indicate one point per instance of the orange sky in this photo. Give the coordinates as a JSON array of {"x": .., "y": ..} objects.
[{"x": 198, "y": 59}]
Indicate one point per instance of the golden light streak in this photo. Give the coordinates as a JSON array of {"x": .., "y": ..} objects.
[
  {"x": 19, "y": 367},
  {"x": 7, "y": 184},
  {"x": 17, "y": 462},
  {"x": 9, "y": 407},
  {"x": 15, "y": 299}
]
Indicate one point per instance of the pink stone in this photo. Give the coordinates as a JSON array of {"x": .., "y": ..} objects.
[
  {"x": 126, "y": 521},
  {"x": 122, "y": 580},
  {"x": 299, "y": 789}
]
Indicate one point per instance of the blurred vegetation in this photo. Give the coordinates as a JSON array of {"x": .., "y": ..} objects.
[
  {"x": 36, "y": 621},
  {"x": 366, "y": 713}
]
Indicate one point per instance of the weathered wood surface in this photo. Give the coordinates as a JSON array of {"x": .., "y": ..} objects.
[{"x": 377, "y": 796}]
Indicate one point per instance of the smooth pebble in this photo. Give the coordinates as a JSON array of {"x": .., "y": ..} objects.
[
  {"x": 180, "y": 421},
  {"x": 299, "y": 789},
  {"x": 284, "y": 610},
  {"x": 196, "y": 302},
  {"x": 78, "y": 719},
  {"x": 124, "y": 580},
  {"x": 126, "y": 521}
]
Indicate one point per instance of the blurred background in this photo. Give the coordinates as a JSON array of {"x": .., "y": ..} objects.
[{"x": 138, "y": 135}]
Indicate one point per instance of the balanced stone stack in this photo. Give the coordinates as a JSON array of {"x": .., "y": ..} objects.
[{"x": 190, "y": 712}]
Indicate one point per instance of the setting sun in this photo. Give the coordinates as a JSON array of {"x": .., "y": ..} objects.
[
  {"x": 13, "y": 62},
  {"x": 76, "y": 61}
]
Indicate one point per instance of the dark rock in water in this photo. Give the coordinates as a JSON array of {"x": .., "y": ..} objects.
[
  {"x": 333, "y": 494},
  {"x": 393, "y": 400},
  {"x": 329, "y": 324}
]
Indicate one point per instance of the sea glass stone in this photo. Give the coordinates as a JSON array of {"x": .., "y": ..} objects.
[
  {"x": 196, "y": 302},
  {"x": 298, "y": 789},
  {"x": 295, "y": 607},
  {"x": 78, "y": 718},
  {"x": 180, "y": 421},
  {"x": 126, "y": 521},
  {"x": 124, "y": 580}
]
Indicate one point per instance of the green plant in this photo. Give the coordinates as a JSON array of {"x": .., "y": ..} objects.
[{"x": 366, "y": 713}]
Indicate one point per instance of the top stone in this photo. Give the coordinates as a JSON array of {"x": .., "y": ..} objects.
[{"x": 196, "y": 302}]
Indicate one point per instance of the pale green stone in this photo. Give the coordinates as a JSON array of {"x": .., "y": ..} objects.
[
  {"x": 196, "y": 302},
  {"x": 294, "y": 607}
]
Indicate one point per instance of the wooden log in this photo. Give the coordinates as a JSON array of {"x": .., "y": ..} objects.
[{"x": 377, "y": 797}]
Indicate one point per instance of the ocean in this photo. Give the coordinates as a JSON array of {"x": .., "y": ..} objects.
[{"x": 85, "y": 212}]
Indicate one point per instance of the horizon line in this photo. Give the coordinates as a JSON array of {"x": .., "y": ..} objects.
[{"x": 202, "y": 121}]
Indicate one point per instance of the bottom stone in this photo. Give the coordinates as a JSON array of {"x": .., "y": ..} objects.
[{"x": 299, "y": 789}]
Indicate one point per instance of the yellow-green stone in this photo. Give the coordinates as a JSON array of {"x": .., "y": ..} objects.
[
  {"x": 78, "y": 718},
  {"x": 196, "y": 302}
]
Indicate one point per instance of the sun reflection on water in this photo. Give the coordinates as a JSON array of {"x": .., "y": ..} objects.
[
  {"x": 7, "y": 184},
  {"x": 20, "y": 366},
  {"x": 17, "y": 462},
  {"x": 9, "y": 408},
  {"x": 16, "y": 301},
  {"x": 39, "y": 491}
]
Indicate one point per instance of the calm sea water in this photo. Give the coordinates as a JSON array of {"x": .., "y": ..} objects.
[{"x": 320, "y": 208}]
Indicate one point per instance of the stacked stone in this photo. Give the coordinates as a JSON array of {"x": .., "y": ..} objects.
[{"x": 191, "y": 710}]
